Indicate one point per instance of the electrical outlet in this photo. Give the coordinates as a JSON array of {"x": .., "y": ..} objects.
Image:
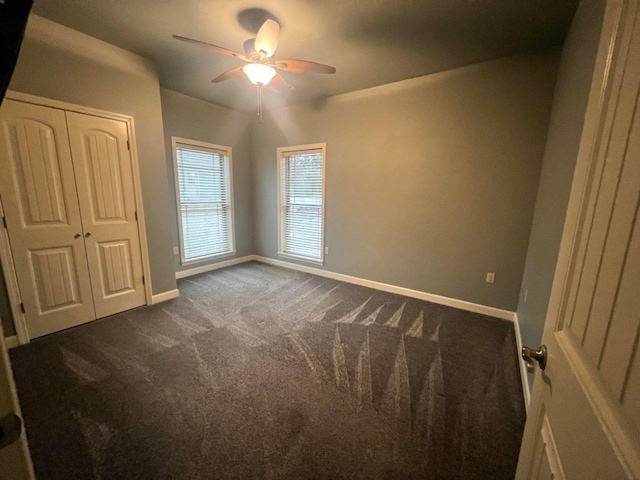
[
  {"x": 326, "y": 250},
  {"x": 176, "y": 250},
  {"x": 491, "y": 277},
  {"x": 526, "y": 294}
]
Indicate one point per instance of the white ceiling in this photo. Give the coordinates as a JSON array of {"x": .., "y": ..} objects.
[{"x": 370, "y": 42}]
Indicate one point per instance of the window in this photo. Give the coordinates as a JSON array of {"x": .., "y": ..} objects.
[
  {"x": 205, "y": 199},
  {"x": 301, "y": 202}
]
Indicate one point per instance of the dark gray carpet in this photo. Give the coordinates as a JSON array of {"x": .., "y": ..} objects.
[{"x": 257, "y": 372}]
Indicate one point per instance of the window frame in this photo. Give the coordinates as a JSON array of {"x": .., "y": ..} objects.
[
  {"x": 175, "y": 141},
  {"x": 301, "y": 149}
]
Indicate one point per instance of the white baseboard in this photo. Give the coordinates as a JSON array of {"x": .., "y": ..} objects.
[
  {"x": 526, "y": 392},
  {"x": 385, "y": 287},
  {"x": 213, "y": 266},
  {"x": 11, "y": 342},
  {"x": 164, "y": 296}
]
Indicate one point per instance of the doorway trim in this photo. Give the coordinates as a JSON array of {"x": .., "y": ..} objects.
[{"x": 6, "y": 256}]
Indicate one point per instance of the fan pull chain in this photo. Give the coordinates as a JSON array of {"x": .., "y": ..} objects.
[{"x": 260, "y": 101}]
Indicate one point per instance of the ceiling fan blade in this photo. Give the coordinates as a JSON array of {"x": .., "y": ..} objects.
[
  {"x": 278, "y": 84},
  {"x": 303, "y": 66},
  {"x": 250, "y": 48},
  {"x": 227, "y": 75},
  {"x": 267, "y": 38},
  {"x": 210, "y": 46}
]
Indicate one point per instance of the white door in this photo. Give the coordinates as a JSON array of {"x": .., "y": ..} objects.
[
  {"x": 15, "y": 463},
  {"x": 38, "y": 189},
  {"x": 584, "y": 417},
  {"x": 104, "y": 177}
]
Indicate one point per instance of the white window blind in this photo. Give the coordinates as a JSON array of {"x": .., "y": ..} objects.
[
  {"x": 205, "y": 203},
  {"x": 302, "y": 203}
]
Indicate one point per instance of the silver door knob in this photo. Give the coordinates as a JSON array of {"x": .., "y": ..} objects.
[
  {"x": 87, "y": 235},
  {"x": 540, "y": 356},
  {"x": 77, "y": 235}
]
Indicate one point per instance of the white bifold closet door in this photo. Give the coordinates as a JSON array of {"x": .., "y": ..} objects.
[
  {"x": 68, "y": 196},
  {"x": 104, "y": 181}
]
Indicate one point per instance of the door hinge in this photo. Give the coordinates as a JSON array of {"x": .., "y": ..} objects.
[
  {"x": 143, "y": 280},
  {"x": 22, "y": 308},
  {"x": 128, "y": 145},
  {"x": 136, "y": 215},
  {"x": 4, "y": 221}
]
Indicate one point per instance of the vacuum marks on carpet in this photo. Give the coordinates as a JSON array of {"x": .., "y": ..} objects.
[{"x": 260, "y": 372}]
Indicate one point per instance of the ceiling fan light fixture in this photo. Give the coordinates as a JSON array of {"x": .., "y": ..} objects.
[
  {"x": 267, "y": 38},
  {"x": 259, "y": 73}
]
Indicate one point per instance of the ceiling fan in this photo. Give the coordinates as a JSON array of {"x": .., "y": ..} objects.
[{"x": 261, "y": 65}]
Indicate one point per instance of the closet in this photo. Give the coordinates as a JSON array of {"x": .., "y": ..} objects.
[{"x": 67, "y": 190}]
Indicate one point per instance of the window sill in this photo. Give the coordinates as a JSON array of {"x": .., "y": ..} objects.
[
  {"x": 301, "y": 258},
  {"x": 198, "y": 260}
]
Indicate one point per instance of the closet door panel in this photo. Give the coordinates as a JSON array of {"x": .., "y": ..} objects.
[
  {"x": 102, "y": 164},
  {"x": 38, "y": 191}
]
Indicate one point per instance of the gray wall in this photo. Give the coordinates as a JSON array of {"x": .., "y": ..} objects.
[
  {"x": 563, "y": 139},
  {"x": 195, "y": 119},
  {"x": 430, "y": 183},
  {"x": 59, "y": 63}
]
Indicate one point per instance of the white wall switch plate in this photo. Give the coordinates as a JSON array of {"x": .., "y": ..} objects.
[
  {"x": 176, "y": 250},
  {"x": 491, "y": 277}
]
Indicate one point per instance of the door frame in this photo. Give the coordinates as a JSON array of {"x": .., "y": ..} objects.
[
  {"x": 6, "y": 256},
  {"x": 22, "y": 445}
]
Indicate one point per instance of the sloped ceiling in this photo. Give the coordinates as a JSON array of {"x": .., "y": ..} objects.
[{"x": 370, "y": 42}]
